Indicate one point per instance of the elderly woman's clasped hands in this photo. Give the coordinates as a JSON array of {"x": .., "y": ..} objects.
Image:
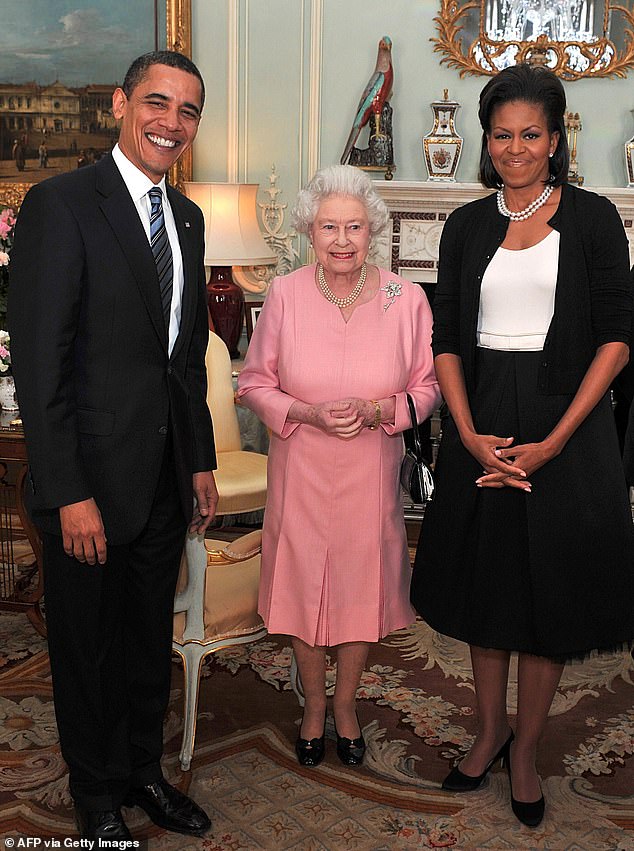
[{"x": 343, "y": 418}]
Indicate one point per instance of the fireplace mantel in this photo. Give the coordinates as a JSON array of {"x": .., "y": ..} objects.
[{"x": 418, "y": 211}]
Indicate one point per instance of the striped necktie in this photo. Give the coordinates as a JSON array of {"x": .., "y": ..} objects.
[{"x": 162, "y": 252}]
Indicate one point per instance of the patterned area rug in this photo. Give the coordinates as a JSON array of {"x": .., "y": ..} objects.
[{"x": 417, "y": 709}]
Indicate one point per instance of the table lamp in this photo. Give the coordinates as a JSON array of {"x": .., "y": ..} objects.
[{"x": 232, "y": 238}]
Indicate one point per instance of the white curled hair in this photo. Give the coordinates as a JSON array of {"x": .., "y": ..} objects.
[{"x": 339, "y": 180}]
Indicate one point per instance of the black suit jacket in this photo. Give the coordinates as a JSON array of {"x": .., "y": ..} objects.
[{"x": 98, "y": 394}]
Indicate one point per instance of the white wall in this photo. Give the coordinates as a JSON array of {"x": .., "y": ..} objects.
[{"x": 303, "y": 58}]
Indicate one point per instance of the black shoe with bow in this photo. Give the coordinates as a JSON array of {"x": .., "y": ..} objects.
[
  {"x": 169, "y": 808},
  {"x": 101, "y": 824},
  {"x": 351, "y": 751},
  {"x": 311, "y": 751}
]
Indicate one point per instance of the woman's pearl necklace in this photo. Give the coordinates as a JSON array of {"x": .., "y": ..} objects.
[
  {"x": 351, "y": 297},
  {"x": 528, "y": 212}
]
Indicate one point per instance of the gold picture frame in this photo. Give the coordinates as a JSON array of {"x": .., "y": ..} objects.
[
  {"x": 179, "y": 37},
  {"x": 474, "y": 40}
]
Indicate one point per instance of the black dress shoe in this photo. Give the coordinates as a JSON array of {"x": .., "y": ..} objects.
[
  {"x": 311, "y": 751},
  {"x": 101, "y": 824},
  {"x": 529, "y": 813},
  {"x": 456, "y": 781},
  {"x": 169, "y": 808},
  {"x": 351, "y": 751}
]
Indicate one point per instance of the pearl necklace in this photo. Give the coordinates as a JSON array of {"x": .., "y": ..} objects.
[
  {"x": 351, "y": 297},
  {"x": 528, "y": 212}
]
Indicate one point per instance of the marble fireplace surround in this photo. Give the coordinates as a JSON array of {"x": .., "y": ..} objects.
[{"x": 418, "y": 211}]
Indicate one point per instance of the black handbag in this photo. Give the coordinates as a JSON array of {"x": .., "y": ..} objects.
[{"x": 416, "y": 477}]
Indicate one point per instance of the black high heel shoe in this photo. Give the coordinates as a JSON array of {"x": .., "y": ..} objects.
[
  {"x": 456, "y": 781},
  {"x": 311, "y": 751},
  {"x": 529, "y": 813},
  {"x": 351, "y": 751}
]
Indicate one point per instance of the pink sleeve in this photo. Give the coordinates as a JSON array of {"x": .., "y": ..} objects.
[
  {"x": 422, "y": 385},
  {"x": 258, "y": 382}
]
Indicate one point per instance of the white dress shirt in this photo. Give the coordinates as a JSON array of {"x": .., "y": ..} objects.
[{"x": 138, "y": 185}]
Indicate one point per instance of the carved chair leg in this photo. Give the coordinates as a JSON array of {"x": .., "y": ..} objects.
[{"x": 193, "y": 656}]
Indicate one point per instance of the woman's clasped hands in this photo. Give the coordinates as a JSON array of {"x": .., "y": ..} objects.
[
  {"x": 344, "y": 418},
  {"x": 505, "y": 465}
]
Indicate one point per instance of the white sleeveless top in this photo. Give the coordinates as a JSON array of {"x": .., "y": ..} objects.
[{"x": 517, "y": 298}]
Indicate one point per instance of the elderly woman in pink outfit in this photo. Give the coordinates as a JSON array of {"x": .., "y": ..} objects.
[{"x": 337, "y": 346}]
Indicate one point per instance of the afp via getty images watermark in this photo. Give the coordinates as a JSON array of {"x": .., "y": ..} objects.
[{"x": 37, "y": 842}]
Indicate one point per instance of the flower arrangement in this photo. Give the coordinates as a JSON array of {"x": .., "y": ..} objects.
[
  {"x": 7, "y": 225},
  {"x": 5, "y": 354}
]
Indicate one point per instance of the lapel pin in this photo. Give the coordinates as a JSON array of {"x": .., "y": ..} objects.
[{"x": 187, "y": 224}]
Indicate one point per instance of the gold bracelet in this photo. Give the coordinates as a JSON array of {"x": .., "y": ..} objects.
[{"x": 377, "y": 415}]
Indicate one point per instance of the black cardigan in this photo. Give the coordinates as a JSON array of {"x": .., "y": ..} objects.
[{"x": 593, "y": 301}]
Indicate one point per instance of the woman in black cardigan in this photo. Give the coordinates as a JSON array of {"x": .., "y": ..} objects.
[{"x": 528, "y": 544}]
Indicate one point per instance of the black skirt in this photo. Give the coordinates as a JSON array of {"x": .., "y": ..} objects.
[{"x": 549, "y": 572}]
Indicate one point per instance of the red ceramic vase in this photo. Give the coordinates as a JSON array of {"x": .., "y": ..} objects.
[{"x": 225, "y": 300}]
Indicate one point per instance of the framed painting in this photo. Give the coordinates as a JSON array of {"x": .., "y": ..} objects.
[
  {"x": 60, "y": 62},
  {"x": 253, "y": 309}
]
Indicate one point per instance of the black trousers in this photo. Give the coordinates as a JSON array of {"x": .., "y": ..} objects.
[{"x": 109, "y": 635}]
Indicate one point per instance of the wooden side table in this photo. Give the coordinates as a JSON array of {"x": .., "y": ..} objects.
[{"x": 21, "y": 585}]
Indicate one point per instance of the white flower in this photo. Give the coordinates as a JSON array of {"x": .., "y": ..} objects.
[{"x": 4, "y": 258}]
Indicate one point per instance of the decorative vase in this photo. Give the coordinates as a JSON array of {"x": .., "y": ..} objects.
[
  {"x": 629, "y": 158},
  {"x": 442, "y": 146},
  {"x": 225, "y": 301},
  {"x": 7, "y": 393}
]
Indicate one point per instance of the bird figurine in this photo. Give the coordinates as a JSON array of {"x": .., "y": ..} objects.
[{"x": 376, "y": 93}]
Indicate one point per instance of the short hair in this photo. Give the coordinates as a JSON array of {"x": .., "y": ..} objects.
[
  {"x": 531, "y": 84},
  {"x": 339, "y": 180},
  {"x": 137, "y": 72}
]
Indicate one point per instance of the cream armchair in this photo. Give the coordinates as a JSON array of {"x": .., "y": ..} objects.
[
  {"x": 215, "y": 607},
  {"x": 241, "y": 476}
]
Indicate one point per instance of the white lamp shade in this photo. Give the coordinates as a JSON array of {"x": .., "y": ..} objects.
[{"x": 232, "y": 232}]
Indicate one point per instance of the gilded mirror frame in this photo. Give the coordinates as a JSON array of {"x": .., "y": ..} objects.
[
  {"x": 179, "y": 37},
  {"x": 601, "y": 57}
]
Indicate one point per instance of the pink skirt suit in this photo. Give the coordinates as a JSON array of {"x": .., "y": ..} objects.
[{"x": 335, "y": 563}]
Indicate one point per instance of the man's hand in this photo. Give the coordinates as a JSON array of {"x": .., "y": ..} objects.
[
  {"x": 206, "y": 495},
  {"x": 82, "y": 531}
]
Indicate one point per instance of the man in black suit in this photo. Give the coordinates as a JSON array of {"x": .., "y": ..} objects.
[{"x": 109, "y": 331}]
